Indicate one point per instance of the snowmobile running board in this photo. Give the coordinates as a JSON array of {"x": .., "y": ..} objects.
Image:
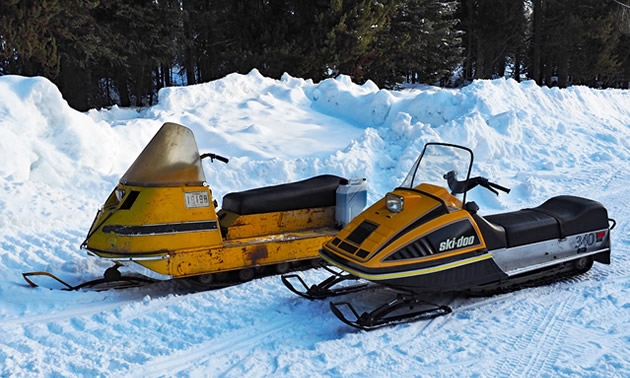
[
  {"x": 379, "y": 317},
  {"x": 323, "y": 289}
]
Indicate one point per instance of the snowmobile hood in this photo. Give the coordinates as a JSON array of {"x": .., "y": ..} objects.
[
  {"x": 170, "y": 159},
  {"x": 372, "y": 237}
]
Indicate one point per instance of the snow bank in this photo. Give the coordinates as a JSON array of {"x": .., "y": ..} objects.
[
  {"x": 43, "y": 140},
  {"x": 280, "y": 130},
  {"x": 58, "y": 165}
]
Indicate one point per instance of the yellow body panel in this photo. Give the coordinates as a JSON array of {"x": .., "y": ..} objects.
[
  {"x": 249, "y": 241},
  {"x": 243, "y": 226},
  {"x": 416, "y": 206},
  {"x": 252, "y": 252},
  {"x": 154, "y": 206}
]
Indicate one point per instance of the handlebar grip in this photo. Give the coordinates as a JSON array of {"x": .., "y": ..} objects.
[
  {"x": 221, "y": 158},
  {"x": 214, "y": 156},
  {"x": 497, "y": 186}
]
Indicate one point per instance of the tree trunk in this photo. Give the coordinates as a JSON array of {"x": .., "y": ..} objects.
[
  {"x": 166, "y": 71},
  {"x": 548, "y": 71},
  {"x": 189, "y": 64},
  {"x": 563, "y": 69},
  {"x": 468, "y": 68},
  {"x": 535, "y": 72},
  {"x": 499, "y": 66},
  {"x": 480, "y": 67},
  {"x": 123, "y": 89},
  {"x": 72, "y": 82}
]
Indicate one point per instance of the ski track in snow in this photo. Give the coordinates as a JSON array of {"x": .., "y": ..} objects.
[
  {"x": 65, "y": 166},
  {"x": 240, "y": 341}
]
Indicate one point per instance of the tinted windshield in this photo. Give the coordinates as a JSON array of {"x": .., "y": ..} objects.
[
  {"x": 435, "y": 161},
  {"x": 170, "y": 159}
]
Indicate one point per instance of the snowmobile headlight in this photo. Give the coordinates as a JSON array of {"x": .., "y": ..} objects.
[
  {"x": 394, "y": 203},
  {"x": 120, "y": 194}
]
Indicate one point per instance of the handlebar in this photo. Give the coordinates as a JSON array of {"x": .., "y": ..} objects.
[
  {"x": 497, "y": 186},
  {"x": 464, "y": 186},
  {"x": 491, "y": 186},
  {"x": 214, "y": 156}
]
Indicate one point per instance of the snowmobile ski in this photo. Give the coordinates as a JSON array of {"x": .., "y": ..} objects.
[
  {"x": 112, "y": 279},
  {"x": 382, "y": 316},
  {"x": 325, "y": 288}
]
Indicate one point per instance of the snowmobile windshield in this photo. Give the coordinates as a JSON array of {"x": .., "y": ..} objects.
[
  {"x": 436, "y": 162},
  {"x": 170, "y": 159}
]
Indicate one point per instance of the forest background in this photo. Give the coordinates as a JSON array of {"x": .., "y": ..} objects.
[{"x": 101, "y": 53}]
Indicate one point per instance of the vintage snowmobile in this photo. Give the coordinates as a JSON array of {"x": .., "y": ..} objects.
[
  {"x": 162, "y": 222},
  {"x": 421, "y": 239}
]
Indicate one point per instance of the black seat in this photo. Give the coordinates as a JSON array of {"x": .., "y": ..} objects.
[
  {"x": 576, "y": 214},
  {"x": 557, "y": 218},
  {"x": 526, "y": 226},
  {"x": 318, "y": 191}
]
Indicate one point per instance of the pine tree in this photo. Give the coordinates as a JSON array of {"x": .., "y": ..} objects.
[
  {"x": 623, "y": 54},
  {"x": 79, "y": 44},
  {"x": 594, "y": 61},
  {"x": 27, "y": 39},
  {"x": 137, "y": 38},
  {"x": 354, "y": 36},
  {"x": 575, "y": 42},
  {"x": 421, "y": 44},
  {"x": 494, "y": 36}
]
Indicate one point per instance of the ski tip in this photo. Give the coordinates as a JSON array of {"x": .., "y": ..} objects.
[{"x": 33, "y": 284}]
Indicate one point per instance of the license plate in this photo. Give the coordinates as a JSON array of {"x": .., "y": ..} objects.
[{"x": 196, "y": 199}]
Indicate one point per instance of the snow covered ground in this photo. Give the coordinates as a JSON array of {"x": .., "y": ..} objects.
[{"x": 57, "y": 166}]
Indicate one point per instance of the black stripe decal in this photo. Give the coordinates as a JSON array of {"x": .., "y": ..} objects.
[
  {"x": 115, "y": 254},
  {"x": 399, "y": 268},
  {"x": 160, "y": 229},
  {"x": 440, "y": 200},
  {"x": 424, "y": 218}
]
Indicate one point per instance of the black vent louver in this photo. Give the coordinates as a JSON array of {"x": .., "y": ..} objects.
[
  {"x": 348, "y": 247},
  {"x": 362, "y": 232},
  {"x": 356, "y": 237},
  {"x": 418, "y": 248}
]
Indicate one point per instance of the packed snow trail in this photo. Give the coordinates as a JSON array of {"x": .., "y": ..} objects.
[{"x": 57, "y": 166}]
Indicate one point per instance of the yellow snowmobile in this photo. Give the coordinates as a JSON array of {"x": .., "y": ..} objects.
[
  {"x": 420, "y": 239},
  {"x": 161, "y": 220}
]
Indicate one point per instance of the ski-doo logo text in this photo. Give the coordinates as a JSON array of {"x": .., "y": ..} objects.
[{"x": 463, "y": 241}]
